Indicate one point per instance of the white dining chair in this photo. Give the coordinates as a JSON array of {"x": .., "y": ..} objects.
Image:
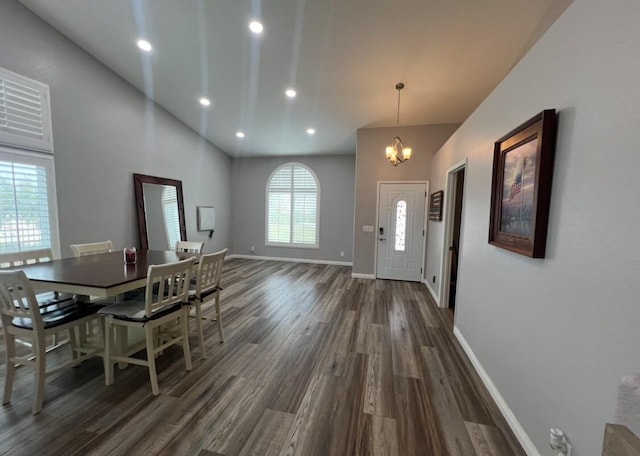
[
  {"x": 46, "y": 299},
  {"x": 189, "y": 246},
  {"x": 163, "y": 317},
  {"x": 14, "y": 259},
  {"x": 23, "y": 318},
  {"x": 92, "y": 248},
  {"x": 206, "y": 288}
]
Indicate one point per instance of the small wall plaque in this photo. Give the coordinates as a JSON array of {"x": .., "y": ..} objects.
[
  {"x": 206, "y": 218},
  {"x": 435, "y": 206}
]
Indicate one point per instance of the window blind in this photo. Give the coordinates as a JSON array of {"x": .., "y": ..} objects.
[
  {"x": 25, "y": 115},
  {"x": 171, "y": 217},
  {"x": 25, "y": 215},
  {"x": 292, "y": 207}
]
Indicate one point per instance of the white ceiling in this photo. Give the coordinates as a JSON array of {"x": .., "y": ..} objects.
[{"x": 343, "y": 57}]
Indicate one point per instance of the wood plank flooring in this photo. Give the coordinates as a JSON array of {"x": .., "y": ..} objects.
[{"x": 314, "y": 363}]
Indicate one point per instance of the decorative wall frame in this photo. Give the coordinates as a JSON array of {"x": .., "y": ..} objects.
[
  {"x": 521, "y": 186},
  {"x": 435, "y": 206}
]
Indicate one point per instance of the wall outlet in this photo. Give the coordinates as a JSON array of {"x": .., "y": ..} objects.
[
  {"x": 341, "y": 253},
  {"x": 253, "y": 249},
  {"x": 433, "y": 280}
]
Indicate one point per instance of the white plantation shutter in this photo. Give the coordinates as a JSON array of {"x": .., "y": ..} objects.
[
  {"x": 27, "y": 202},
  {"x": 25, "y": 113},
  {"x": 292, "y": 207},
  {"x": 28, "y": 212},
  {"x": 279, "y": 218}
]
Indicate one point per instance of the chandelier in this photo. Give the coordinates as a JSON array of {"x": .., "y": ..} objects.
[{"x": 396, "y": 153}]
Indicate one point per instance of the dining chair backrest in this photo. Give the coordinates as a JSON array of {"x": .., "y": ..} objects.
[
  {"x": 8, "y": 260},
  {"x": 171, "y": 282},
  {"x": 189, "y": 246},
  {"x": 209, "y": 273},
  {"x": 18, "y": 299},
  {"x": 92, "y": 248}
]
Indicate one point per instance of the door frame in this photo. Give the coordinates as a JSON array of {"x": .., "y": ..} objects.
[
  {"x": 445, "y": 264},
  {"x": 377, "y": 225}
]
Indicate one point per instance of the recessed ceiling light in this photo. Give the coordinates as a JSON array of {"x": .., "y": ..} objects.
[
  {"x": 311, "y": 131},
  {"x": 205, "y": 101},
  {"x": 239, "y": 134},
  {"x": 144, "y": 45},
  {"x": 256, "y": 27},
  {"x": 290, "y": 93}
]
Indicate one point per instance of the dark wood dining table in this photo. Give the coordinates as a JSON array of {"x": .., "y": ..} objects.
[{"x": 100, "y": 275}]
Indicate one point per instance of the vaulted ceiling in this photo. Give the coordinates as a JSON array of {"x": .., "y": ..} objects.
[{"x": 343, "y": 58}]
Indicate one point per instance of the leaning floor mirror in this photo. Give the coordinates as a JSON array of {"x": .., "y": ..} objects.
[{"x": 160, "y": 208}]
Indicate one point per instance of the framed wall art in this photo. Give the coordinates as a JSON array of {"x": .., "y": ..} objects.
[
  {"x": 521, "y": 186},
  {"x": 435, "y": 206}
]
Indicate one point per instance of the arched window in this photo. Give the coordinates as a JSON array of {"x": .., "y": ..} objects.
[{"x": 293, "y": 206}]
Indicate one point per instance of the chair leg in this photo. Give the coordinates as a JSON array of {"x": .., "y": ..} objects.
[
  {"x": 158, "y": 339},
  {"x": 108, "y": 347},
  {"x": 10, "y": 353},
  {"x": 185, "y": 338},
  {"x": 73, "y": 343},
  {"x": 219, "y": 317},
  {"x": 83, "y": 331},
  {"x": 151, "y": 359},
  {"x": 101, "y": 333},
  {"x": 203, "y": 350},
  {"x": 41, "y": 366}
]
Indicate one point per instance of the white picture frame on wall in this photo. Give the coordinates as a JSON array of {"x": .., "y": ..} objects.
[{"x": 206, "y": 218}]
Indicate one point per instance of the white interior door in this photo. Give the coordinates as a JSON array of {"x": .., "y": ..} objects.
[{"x": 401, "y": 231}]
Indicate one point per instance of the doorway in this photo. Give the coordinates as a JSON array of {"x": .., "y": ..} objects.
[
  {"x": 452, "y": 231},
  {"x": 400, "y": 246},
  {"x": 454, "y": 248}
]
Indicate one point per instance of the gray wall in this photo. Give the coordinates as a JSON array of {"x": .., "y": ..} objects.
[
  {"x": 336, "y": 176},
  {"x": 556, "y": 335},
  {"x": 104, "y": 130},
  {"x": 372, "y": 167}
]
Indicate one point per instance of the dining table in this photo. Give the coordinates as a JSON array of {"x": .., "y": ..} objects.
[{"x": 100, "y": 275}]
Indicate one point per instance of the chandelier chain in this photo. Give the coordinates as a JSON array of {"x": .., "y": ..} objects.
[{"x": 398, "y": 113}]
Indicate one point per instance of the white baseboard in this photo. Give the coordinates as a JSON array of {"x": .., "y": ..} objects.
[
  {"x": 291, "y": 260},
  {"x": 355, "y": 275},
  {"x": 513, "y": 422},
  {"x": 433, "y": 293}
]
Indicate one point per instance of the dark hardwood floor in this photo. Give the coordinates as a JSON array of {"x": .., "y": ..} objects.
[{"x": 314, "y": 363}]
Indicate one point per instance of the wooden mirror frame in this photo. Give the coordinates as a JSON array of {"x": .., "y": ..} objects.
[{"x": 138, "y": 181}]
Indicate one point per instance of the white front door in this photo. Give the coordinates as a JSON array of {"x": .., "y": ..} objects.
[{"x": 401, "y": 231}]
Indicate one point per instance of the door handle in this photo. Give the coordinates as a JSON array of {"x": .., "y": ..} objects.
[{"x": 383, "y": 239}]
